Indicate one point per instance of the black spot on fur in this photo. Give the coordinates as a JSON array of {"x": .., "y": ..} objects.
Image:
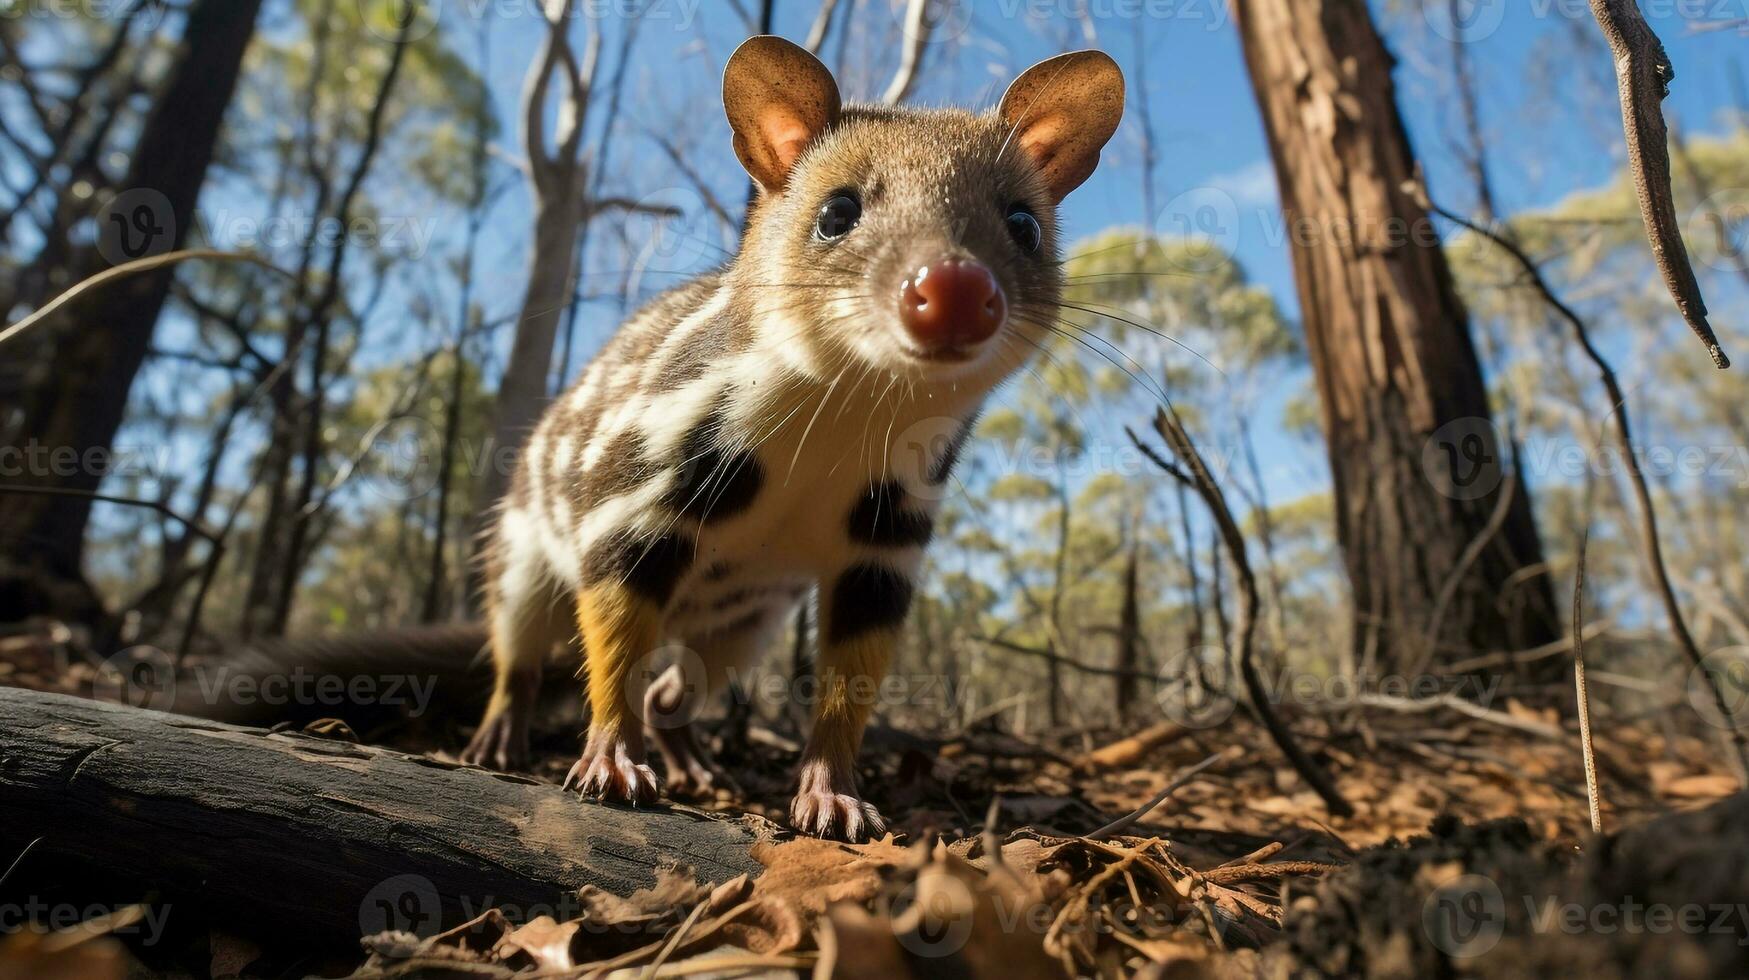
[
  {"x": 881, "y": 519},
  {"x": 624, "y": 467},
  {"x": 717, "y": 571},
  {"x": 866, "y": 598},
  {"x": 950, "y": 457},
  {"x": 747, "y": 621},
  {"x": 650, "y": 567},
  {"x": 715, "y": 482}
]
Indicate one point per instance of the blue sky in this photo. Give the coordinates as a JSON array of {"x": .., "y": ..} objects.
[
  {"x": 1547, "y": 100},
  {"x": 1546, "y": 90}
]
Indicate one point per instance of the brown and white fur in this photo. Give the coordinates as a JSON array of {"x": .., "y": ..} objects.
[{"x": 755, "y": 433}]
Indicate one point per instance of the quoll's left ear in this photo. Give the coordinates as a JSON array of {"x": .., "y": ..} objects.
[
  {"x": 1062, "y": 111},
  {"x": 779, "y": 98}
]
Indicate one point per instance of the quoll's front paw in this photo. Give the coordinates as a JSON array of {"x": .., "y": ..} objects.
[
  {"x": 610, "y": 771},
  {"x": 500, "y": 743},
  {"x": 826, "y": 805}
]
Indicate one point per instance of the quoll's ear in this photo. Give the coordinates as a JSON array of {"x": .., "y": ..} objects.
[
  {"x": 778, "y": 98},
  {"x": 1062, "y": 111}
]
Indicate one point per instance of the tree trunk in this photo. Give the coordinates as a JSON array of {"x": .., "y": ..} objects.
[
  {"x": 100, "y": 342},
  {"x": 1416, "y": 463},
  {"x": 522, "y": 394},
  {"x": 558, "y": 180},
  {"x": 1129, "y": 628}
]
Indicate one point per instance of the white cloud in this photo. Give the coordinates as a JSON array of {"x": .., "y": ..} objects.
[{"x": 1252, "y": 185}]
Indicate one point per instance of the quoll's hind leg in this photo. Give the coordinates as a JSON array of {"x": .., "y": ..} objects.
[
  {"x": 527, "y": 621},
  {"x": 860, "y": 617},
  {"x": 621, "y": 633},
  {"x": 699, "y": 676}
]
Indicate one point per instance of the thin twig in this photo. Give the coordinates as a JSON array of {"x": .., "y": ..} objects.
[
  {"x": 1171, "y": 429},
  {"x": 1650, "y": 540},
  {"x": 1643, "y": 74},
  {"x": 19, "y": 859},
  {"x": 148, "y": 264},
  {"x": 1581, "y": 691},
  {"x": 1066, "y": 660},
  {"x": 1124, "y": 823},
  {"x": 1448, "y": 591},
  {"x": 674, "y": 941},
  {"x": 1463, "y": 706},
  {"x": 154, "y": 505},
  {"x": 992, "y": 843}
]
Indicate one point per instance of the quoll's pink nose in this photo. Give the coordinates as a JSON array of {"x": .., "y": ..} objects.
[{"x": 952, "y": 303}]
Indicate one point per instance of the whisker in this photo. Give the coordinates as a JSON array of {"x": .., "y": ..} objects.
[{"x": 1146, "y": 328}]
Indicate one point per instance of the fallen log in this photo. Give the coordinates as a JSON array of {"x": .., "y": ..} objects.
[{"x": 317, "y": 836}]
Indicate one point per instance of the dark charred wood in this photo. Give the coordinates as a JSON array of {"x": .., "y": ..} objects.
[{"x": 313, "y": 837}]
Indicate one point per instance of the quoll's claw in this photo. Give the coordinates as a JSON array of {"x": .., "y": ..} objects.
[
  {"x": 836, "y": 816},
  {"x": 612, "y": 777},
  {"x": 497, "y": 745},
  {"x": 691, "y": 779}
]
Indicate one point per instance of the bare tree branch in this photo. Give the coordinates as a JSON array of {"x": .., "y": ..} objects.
[
  {"x": 597, "y": 205},
  {"x": 1650, "y": 539},
  {"x": 1643, "y": 74},
  {"x": 822, "y": 24},
  {"x": 917, "y": 28},
  {"x": 699, "y": 184},
  {"x": 1171, "y": 429}
]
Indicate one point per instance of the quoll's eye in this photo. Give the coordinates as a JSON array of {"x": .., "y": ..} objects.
[
  {"x": 837, "y": 216},
  {"x": 1023, "y": 227}
]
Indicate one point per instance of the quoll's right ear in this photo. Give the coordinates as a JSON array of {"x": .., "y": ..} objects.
[
  {"x": 778, "y": 98},
  {"x": 1061, "y": 111}
]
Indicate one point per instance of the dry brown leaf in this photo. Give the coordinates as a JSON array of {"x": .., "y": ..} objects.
[
  {"x": 230, "y": 955},
  {"x": 862, "y": 946},
  {"x": 802, "y": 878},
  {"x": 958, "y": 918},
  {"x": 1706, "y": 787},
  {"x": 545, "y": 942},
  {"x": 31, "y": 955}
]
